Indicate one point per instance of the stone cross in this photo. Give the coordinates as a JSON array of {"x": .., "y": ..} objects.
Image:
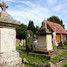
[{"x": 3, "y": 6}]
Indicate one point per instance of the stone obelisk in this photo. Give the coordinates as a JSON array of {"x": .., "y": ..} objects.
[{"x": 9, "y": 57}]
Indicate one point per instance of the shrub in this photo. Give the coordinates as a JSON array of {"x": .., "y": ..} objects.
[{"x": 65, "y": 65}]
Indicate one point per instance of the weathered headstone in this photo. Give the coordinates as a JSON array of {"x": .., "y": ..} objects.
[
  {"x": 9, "y": 57},
  {"x": 44, "y": 39}
]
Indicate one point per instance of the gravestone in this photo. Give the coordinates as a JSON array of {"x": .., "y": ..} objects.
[
  {"x": 9, "y": 57},
  {"x": 44, "y": 39}
]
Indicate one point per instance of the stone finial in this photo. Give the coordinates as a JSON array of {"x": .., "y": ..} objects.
[
  {"x": 3, "y": 6},
  {"x": 44, "y": 24}
]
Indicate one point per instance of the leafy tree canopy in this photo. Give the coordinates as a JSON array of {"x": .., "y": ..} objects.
[
  {"x": 56, "y": 19},
  {"x": 31, "y": 26},
  {"x": 21, "y": 31},
  {"x": 37, "y": 28}
]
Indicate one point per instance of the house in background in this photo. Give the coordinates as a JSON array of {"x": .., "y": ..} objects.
[{"x": 61, "y": 33}]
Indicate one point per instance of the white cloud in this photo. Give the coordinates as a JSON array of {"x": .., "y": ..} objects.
[
  {"x": 28, "y": 3},
  {"x": 10, "y": 0},
  {"x": 58, "y": 7},
  {"x": 37, "y": 12},
  {"x": 52, "y": 1},
  {"x": 66, "y": 26},
  {"x": 37, "y": 15}
]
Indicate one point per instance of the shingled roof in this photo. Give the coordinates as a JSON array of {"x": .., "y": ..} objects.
[{"x": 56, "y": 28}]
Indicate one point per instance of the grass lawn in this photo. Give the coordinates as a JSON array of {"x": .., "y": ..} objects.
[
  {"x": 59, "y": 57},
  {"x": 32, "y": 58},
  {"x": 40, "y": 59},
  {"x": 65, "y": 46},
  {"x": 65, "y": 65}
]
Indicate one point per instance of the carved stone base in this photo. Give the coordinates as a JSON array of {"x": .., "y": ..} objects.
[{"x": 10, "y": 59}]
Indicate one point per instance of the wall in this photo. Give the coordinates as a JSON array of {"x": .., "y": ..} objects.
[
  {"x": 7, "y": 39},
  {"x": 45, "y": 42},
  {"x": 58, "y": 38},
  {"x": 49, "y": 42},
  {"x": 41, "y": 42}
]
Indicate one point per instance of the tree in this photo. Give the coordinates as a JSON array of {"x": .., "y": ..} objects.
[
  {"x": 21, "y": 31},
  {"x": 31, "y": 26},
  {"x": 56, "y": 19},
  {"x": 29, "y": 40},
  {"x": 37, "y": 28},
  {"x": 61, "y": 22}
]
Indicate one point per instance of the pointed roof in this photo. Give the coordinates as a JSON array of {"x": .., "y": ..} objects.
[{"x": 56, "y": 27}]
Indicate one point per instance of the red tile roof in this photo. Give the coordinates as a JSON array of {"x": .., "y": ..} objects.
[{"x": 56, "y": 27}]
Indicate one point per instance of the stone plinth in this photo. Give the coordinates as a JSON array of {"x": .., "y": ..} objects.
[
  {"x": 9, "y": 57},
  {"x": 44, "y": 39},
  {"x": 45, "y": 43},
  {"x": 7, "y": 40}
]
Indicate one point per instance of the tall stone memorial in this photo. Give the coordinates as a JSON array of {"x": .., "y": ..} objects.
[
  {"x": 9, "y": 57},
  {"x": 44, "y": 39}
]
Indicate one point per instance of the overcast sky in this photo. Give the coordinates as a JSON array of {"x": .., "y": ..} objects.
[{"x": 37, "y": 10}]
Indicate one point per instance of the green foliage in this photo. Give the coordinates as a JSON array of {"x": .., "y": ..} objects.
[
  {"x": 19, "y": 47},
  {"x": 39, "y": 59},
  {"x": 21, "y": 31},
  {"x": 56, "y": 19},
  {"x": 27, "y": 48},
  {"x": 65, "y": 65},
  {"x": 59, "y": 58},
  {"x": 33, "y": 58},
  {"x": 37, "y": 28},
  {"x": 29, "y": 32},
  {"x": 27, "y": 64},
  {"x": 29, "y": 40},
  {"x": 65, "y": 46},
  {"x": 31, "y": 26},
  {"x": 56, "y": 59}
]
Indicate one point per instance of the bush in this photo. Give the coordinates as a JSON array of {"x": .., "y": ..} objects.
[
  {"x": 65, "y": 65},
  {"x": 18, "y": 47}
]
